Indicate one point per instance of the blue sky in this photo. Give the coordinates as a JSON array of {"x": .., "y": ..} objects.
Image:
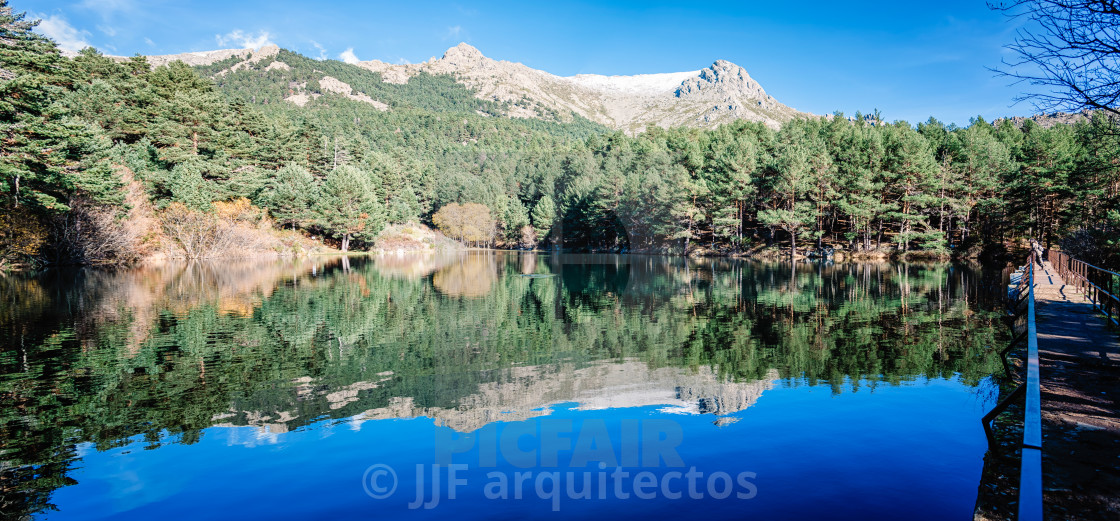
[{"x": 909, "y": 60}]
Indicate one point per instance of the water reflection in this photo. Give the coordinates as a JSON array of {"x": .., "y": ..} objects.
[
  {"x": 166, "y": 351},
  {"x": 528, "y": 392}
]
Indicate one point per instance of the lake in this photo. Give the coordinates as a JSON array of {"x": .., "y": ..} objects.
[{"x": 497, "y": 385}]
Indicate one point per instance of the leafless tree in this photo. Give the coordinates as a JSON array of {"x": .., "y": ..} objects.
[
  {"x": 470, "y": 223},
  {"x": 1070, "y": 46},
  {"x": 94, "y": 234}
]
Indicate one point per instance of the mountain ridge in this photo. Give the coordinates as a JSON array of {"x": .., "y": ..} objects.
[
  {"x": 703, "y": 98},
  {"x": 708, "y": 97}
]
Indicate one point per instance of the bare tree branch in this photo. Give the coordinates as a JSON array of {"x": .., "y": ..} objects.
[{"x": 1070, "y": 46}]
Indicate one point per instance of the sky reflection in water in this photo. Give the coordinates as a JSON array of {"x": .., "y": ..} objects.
[{"x": 234, "y": 390}]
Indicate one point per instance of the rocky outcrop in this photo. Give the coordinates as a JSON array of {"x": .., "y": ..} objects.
[
  {"x": 196, "y": 59},
  {"x": 1051, "y": 119},
  {"x": 708, "y": 97},
  {"x": 268, "y": 51},
  {"x": 337, "y": 86},
  {"x": 203, "y": 58},
  {"x": 278, "y": 65},
  {"x": 300, "y": 96},
  {"x": 398, "y": 74}
]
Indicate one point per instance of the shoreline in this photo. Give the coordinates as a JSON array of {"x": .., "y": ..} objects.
[{"x": 161, "y": 258}]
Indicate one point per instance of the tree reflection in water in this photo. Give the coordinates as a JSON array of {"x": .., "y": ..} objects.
[{"x": 166, "y": 351}]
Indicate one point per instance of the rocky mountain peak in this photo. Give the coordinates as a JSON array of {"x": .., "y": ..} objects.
[
  {"x": 708, "y": 97},
  {"x": 268, "y": 50},
  {"x": 463, "y": 53},
  {"x": 723, "y": 78},
  {"x": 719, "y": 93}
]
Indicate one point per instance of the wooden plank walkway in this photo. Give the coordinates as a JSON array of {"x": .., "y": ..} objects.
[{"x": 1079, "y": 353}]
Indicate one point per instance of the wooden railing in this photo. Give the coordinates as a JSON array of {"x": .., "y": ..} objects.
[{"x": 1098, "y": 284}]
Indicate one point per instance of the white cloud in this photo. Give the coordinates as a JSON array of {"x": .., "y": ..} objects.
[
  {"x": 243, "y": 39},
  {"x": 149, "y": 42},
  {"x": 322, "y": 50},
  {"x": 453, "y": 32},
  {"x": 59, "y": 30},
  {"x": 348, "y": 56},
  {"x": 109, "y": 31}
]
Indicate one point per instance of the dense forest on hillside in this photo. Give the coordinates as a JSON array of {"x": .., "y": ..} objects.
[{"x": 88, "y": 142}]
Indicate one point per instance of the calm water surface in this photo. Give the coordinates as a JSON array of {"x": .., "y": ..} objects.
[{"x": 559, "y": 386}]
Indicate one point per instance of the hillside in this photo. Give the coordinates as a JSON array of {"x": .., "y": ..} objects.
[
  {"x": 704, "y": 98},
  {"x": 707, "y": 97},
  {"x": 339, "y": 152}
]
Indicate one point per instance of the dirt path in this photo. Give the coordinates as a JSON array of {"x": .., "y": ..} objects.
[{"x": 1079, "y": 353}]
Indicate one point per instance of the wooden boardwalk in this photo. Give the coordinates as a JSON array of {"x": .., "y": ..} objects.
[{"x": 1079, "y": 359}]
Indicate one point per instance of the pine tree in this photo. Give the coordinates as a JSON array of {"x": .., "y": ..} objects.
[
  {"x": 859, "y": 163},
  {"x": 787, "y": 207},
  {"x": 36, "y": 149},
  {"x": 543, "y": 217},
  {"x": 979, "y": 163},
  {"x": 1048, "y": 159},
  {"x": 913, "y": 185},
  {"x": 823, "y": 193},
  {"x": 290, "y": 194},
  {"x": 730, "y": 166},
  {"x": 347, "y": 208}
]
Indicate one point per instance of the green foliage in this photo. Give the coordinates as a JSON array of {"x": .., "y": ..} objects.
[
  {"x": 209, "y": 134},
  {"x": 290, "y": 194},
  {"x": 187, "y": 186},
  {"x": 729, "y": 166},
  {"x": 43, "y": 145},
  {"x": 294, "y": 344},
  {"x": 544, "y": 216},
  {"x": 347, "y": 208},
  {"x": 788, "y": 185}
]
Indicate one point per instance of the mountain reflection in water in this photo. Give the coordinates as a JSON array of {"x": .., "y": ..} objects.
[{"x": 164, "y": 352}]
